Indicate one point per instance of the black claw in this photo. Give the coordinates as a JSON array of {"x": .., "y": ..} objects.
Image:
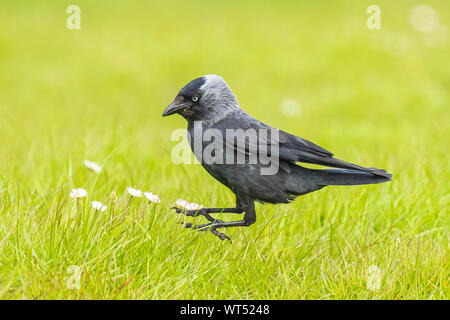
[
  {"x": 198, "y": 227},
  {"x": 221, "y": 235},
  {"x": 187, "y": 225},
  {"x": 178, "y": 210}
]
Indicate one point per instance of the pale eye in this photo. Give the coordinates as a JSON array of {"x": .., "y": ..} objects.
[{"x": 195, "y": 99}]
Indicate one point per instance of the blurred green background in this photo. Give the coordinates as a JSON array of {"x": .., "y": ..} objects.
[{"x": 374, "y": 97}]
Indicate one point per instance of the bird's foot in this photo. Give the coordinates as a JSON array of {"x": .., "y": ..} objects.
[
  {"x": 207, "y": 227},
  {"x": 195, "y": 213},
  {"x": 190, "y": 213},
  {"x": 202, "y": 227}
]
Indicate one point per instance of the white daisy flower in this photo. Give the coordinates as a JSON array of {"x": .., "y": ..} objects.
[
  {"x": 78, "y": 193},
  {"x": 194, "y": 206},
  {"x": 188, "y": 205},
  {"x": 134, "y": 192},
  {"x": 182, "y": 203},
  {"x": 94, "y": 166},
  {"x": 97, "y": 205},
  {"x": 152, "y": 197}
]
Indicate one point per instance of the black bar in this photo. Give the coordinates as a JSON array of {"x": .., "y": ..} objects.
[{"x": 224, "y": 309}]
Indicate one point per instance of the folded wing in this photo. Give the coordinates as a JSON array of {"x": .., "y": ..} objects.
[{"x": 290, "y": 147}]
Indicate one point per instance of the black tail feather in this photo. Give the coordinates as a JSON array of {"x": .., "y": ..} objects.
[
  {"x": 338, "y": 163},
  {"x": 340, "y": 177}
]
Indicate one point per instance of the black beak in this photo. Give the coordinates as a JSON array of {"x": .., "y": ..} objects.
[{"x": 176, "y": 106}]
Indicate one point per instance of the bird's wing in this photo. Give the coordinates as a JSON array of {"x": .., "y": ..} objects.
[{"x": 290, "y": 147}]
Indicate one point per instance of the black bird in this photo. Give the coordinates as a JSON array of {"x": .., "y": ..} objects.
[{"x": 208, "y": 104}]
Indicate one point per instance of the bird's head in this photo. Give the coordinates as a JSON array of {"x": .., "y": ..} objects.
[{"x": 206, "y": 98}]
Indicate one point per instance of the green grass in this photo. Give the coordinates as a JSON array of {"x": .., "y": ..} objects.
[{"x": 98, "y": 94}]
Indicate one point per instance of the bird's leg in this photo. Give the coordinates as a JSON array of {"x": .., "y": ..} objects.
[{"x": 249, "y": 219}]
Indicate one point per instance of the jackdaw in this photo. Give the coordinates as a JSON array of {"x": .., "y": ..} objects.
[{"x": 212, "y": 109}]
